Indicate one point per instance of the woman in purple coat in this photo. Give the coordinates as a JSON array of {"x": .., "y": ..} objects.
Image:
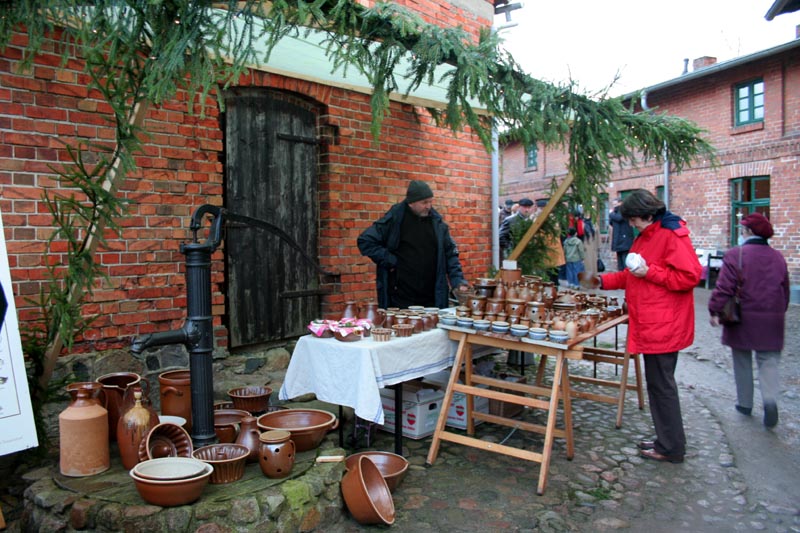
[{"x": 764, "y": 297}]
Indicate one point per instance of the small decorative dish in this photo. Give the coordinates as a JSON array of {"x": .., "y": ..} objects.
[
  {"x": 403, "y": 330},
  {"x": 381, "y": 334}
]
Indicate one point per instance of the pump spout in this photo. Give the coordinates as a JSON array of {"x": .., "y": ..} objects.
[{"x": 162, "y": 338}]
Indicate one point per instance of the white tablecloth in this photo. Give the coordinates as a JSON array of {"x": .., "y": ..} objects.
[{"x": 352, "y": 373}]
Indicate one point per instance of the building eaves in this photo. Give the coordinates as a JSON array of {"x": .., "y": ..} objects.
[{"x": 782, "y": 7}]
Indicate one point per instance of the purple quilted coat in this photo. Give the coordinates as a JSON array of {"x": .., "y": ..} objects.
[{"x": 764, "y": 296}]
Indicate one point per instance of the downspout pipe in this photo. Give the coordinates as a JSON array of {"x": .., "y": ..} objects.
[
  {"x": 664, "y": 155},
  {"x": 495, "y": 198}
]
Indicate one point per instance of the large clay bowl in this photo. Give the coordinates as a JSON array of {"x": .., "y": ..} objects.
[
  {"x": 228, "y": 461},
  {"x": 169, "y": 468},
  {"x": 172, "y": 492},
  {"x": 226, "y": 423},
  {"x": 166, "y": 440},
  {"x": 254, "y": 399},
  {"x": 307, "y": 426},
  {"x": 366, "y": 494},
  {"x": 393, "y": 467}
]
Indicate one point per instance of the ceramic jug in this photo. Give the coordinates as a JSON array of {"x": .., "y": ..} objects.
[
  {"x": 249, "y": 436},
  {"x": 133, "y": 427},
  {"x": 176, "y": 395},
  {"x": 350, "y": 310},
  {"x": 276, "y": 453},
  {"x": 114, "y": 387},
  {"x": 83, "y": 437}
]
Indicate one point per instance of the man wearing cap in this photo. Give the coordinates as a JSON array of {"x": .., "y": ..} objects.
[
  {"x": 505, "y": 212},
  {"x": 523, "y": 213},
  {"x": 417, "y": 260},
  {"x": 764, "y": 299}
]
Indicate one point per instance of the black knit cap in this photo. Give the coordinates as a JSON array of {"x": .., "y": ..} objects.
[{"x": 418, "y": 190}]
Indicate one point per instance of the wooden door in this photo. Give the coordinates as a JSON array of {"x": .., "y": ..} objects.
[{"x": 271, "y": 176}]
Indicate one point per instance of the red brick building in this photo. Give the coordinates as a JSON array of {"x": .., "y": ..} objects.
[
  {"x": 187, "y": 162},
  {"x": 750, "y": 108}
]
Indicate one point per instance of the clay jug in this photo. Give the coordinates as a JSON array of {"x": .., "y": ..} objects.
[
  {"x": 83, "y": 435},
  {"x": 114, "y": 387},
  {"x": 176, "y": 395},
  {"x": 571, "y": 327},
  {"x": 249, "y": 436},
  {"x": 370, "y": 311},
  {"x": 133, "y": 427},
  {"x": 500, "y": 291},
  {"x": 94, "y": 389},
  {"x": 276, "y": 453},
  {"x": 416, "y": 321},
  {"x": 477, "y": 304},
  {"x": 350, "y": 310}
]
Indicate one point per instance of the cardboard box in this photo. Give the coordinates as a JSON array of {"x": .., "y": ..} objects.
[
  {"x": 457, "y": 412},
  {"x": 421, "y": 407},
  {"x": 506, "y": 409}
]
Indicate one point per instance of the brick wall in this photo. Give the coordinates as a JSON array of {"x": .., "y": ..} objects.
[
  {"x": 180, "y": 168},
  {"x": 701, "y": 194}
]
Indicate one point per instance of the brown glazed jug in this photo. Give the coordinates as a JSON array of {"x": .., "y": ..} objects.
[
  {"x": 350, "y": 310},
  {"x": 249, "y": 436},
  {"x": 134, "y": 425},
  {"x": 276, "y": 453},
  {"x": 176, "y": 395},
  {"x": 114, "y": 388},
  {"x": 83, "y": 436}
]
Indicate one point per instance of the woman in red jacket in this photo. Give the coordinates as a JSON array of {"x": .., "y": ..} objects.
[{"x": 659, "y": 294}]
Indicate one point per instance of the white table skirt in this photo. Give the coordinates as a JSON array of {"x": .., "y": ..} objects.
[{"x": 352, "y": 373}]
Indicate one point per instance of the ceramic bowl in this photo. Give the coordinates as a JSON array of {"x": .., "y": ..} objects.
[
  {"x": 500, "y": 326},
  {"x": 228, "y": 461},
  {"x": 381, "y": 334},
  {"x": 307, "y": 426},
  {"x": 537, "y": 334},
  {"x": 352, "y": 337},
  {"x": 519, "y": 331},
  {"x": 172, "y": 419},
  {"x": 393, "y": 467},
  {"x": 165, "y": 468},
  {"x": 165, "y": 440},
  {"x": 481, "y": 325},
  {"x": 558, "y": 335},
  {"x": 465, "y": 322},
  {"x": 253, "y": 398},
  {"x": 403, "y": 330},
  {"x": 172, "y": 492},
  {"x": 226, "y": 423},
  {"x": 366, "y": 494},
  {"x": 448, "y": 319}
]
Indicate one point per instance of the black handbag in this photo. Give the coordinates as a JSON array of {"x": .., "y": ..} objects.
[
  {"x": 731, "y": 313},
  {"x": 601, "y": 267}
]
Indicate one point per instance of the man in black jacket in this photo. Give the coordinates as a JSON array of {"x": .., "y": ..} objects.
[
  {"x": 417, "y": 260},
  {"x": 621, "y": 234}
]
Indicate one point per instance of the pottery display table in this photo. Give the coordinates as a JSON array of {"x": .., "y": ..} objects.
[
  {"x": 550, "y": 398},
  {"x": 352, "y": 373}
]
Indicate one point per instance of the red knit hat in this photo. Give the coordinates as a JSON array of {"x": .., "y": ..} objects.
[{"x": 758, "y": 224}]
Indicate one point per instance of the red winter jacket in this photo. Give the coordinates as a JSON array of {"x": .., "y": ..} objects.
[{"x": 660, "y": 305}]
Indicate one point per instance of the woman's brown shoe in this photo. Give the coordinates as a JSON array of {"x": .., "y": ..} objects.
[{"x": 655, "y": 456}]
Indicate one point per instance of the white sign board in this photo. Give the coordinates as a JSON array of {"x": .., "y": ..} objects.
[{"x": 17, "y": 428}]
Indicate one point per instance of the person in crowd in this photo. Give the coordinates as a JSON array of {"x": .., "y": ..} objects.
[
  {"x": 574, "y": 253},
  {"x": 588, "y": 227},
  {"x": 659, "y": 293},
  {"x": 523, "y": 213},
  {"x": 416, "y": 258},
  {"x": 764, "y": 300},
  {"x": 505, "y": 212},
  {"x": 621, "y": 234}
]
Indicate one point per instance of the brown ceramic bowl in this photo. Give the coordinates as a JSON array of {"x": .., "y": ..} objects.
[
  {"x": 307, "y": 426},
  {"x": 228, "y": 461},
  {"x": 403, "y": 330},
  {"x": 393, "y": 467},
  {"x": 381, "y": 334},
  {"x": 352, "y": 337},
  {"x": 172, "y": 492},
  {"x": 254, "y": 398},
  {"x": 366, "y": 494},
  {"x": 226, "y": 423},
  {"x": 169, "y": 468},
  {"x": 165, "y": 440}
]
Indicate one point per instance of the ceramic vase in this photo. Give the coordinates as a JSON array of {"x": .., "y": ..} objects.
[
  {"x": 83, "y": 437},
  {"x": 249, "y": 436},
  {"x": 133, "y": 427},
  {"x": 176, "y": 395},
  {"x": 276, "y": 453},
  {"x": 114, "y": 388}
]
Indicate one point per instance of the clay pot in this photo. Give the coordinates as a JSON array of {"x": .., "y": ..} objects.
[
  {"x": 248, "y": 437},
  {"x": 226, "y": 423},
  {"x": 176, "y": 394},
  {"x": 366, "y": 494},
  {"x": 515, "y": 307},
  {"x": 115, "y": 386},
  {"x": 254, "y": 399},
  {"x": 166, "y": 440},
  {"x": 416, "y": 321},
  {"x": 228, "y": 461},
  {"x": 276, "y": 453},
  {"x": 495, "y": 305},
  {"x": 172, "y": 492},
  {"x": 307, "y": 426},
  {"x": 393, "y": 467},
  {"x": 477, "y": 304},
  {"x": 370, "y": 311},
  {"x": 350, "y": 310},
  {"x": 83, "y": 435},
  {"x": 134, "y": 425}
]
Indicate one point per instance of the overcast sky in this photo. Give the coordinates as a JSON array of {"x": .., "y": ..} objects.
[{"x": 646, "y": 42}]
